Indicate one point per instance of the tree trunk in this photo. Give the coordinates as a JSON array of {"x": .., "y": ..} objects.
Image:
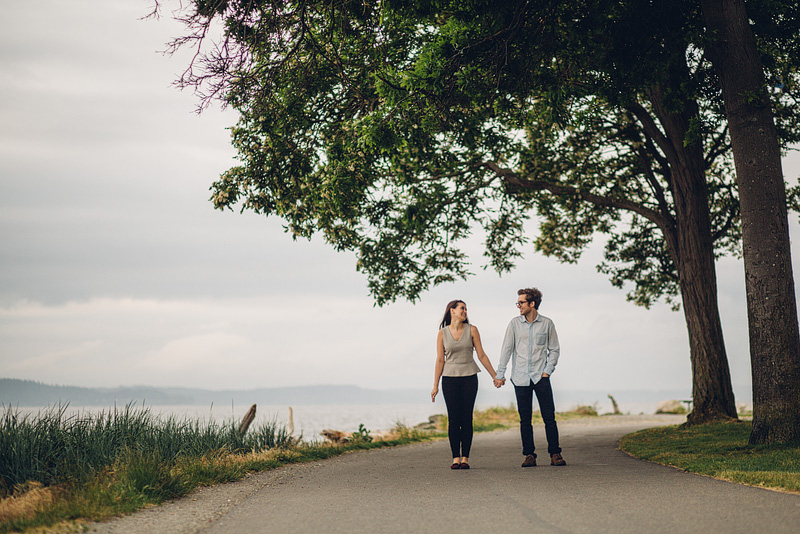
[
  {"x": 712, "y": 392},
  {"x": 693, "y": 252},
  {"x": 771, "y": 305}
]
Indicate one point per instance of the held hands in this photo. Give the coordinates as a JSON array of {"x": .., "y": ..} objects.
[{"x": 498, "y": 383}]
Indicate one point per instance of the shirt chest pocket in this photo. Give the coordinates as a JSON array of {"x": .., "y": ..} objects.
[{"x": 541, "y": 338}]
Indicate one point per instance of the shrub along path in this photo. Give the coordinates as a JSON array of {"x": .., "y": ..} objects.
[{"x": 411, "y": 488}]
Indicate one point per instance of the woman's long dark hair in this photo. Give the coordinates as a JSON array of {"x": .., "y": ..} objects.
[{"x": 450, "y": 305}]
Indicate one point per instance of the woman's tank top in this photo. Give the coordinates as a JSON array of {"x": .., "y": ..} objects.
[{"x": 458, "y": 360}]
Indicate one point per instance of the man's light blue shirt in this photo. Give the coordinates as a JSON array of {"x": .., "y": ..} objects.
[{"x": 534, "y": 347}]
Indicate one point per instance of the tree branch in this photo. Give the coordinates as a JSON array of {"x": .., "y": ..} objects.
[
  {"x": 652, "y": 181},
  {"x": 652, "y": 130},
  {"x": 516, "y": 184},
  {"x": 732, "y": 215},
  {"x": 720, "y": 146}
]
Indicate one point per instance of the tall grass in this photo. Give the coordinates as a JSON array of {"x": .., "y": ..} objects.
[
  {"x": 54, "y": 448},
  {"x": 62, "y": 470}
]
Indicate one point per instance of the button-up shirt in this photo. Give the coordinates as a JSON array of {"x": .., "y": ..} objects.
[{"x": 534, "y": 347}]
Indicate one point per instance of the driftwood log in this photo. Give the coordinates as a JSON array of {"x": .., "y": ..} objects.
[
  {"x": 614, "y": 404},
  {"x": 336, "y": 436},
  {"x": 248, "y": 418}
]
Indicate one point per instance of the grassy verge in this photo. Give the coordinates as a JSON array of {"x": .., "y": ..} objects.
[
  {"x": 57, "y": 471},
  {"x": 719, "y": 450}
]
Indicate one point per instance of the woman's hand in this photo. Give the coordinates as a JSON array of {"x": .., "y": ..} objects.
[{"x": 434, "y": 392}]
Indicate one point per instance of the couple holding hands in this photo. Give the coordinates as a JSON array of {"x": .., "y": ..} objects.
[{"x": 530, "y": 342}]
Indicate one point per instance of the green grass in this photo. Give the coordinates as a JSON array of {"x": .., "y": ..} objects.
[
  {"x": 57, "y": 471},
  {"x": 719, "y": 450}
]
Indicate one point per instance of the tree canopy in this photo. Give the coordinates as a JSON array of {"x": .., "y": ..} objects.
[
  {"x": 390, "y": 127},
  {"x": 397, "y": 129}
]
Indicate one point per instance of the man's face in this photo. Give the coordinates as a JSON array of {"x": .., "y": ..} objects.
[{"x": 523, "y": 304}]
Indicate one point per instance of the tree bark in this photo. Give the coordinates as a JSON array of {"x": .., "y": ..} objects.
[
  {"x": 692, "y": 249},
  {"x": 771, "y": 304}
]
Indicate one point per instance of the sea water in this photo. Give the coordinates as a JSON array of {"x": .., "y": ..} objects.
[{"x": 308, "y": 421}]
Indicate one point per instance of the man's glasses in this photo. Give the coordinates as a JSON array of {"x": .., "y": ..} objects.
[{"x": 521, "y": 302}]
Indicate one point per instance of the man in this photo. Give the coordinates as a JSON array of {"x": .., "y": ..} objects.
[{"x": 532, "y": 341}]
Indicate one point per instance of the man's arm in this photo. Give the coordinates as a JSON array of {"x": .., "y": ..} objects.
[
  {"x": 506, "y": 352},
  {"x": 553, "y": 350}
]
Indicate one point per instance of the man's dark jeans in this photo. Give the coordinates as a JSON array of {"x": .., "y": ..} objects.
[{"x": 544, "y": 395}]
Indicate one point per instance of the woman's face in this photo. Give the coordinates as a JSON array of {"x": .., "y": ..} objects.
[{"x": 460, "y": 312}]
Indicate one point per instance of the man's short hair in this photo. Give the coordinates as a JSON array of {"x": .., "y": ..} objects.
[{"x": 532, "y": 295}]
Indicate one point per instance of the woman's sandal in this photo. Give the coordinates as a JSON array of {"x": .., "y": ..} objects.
[
  {"x": 464, "y": 465},
  {"x": 456, "y": 465}
]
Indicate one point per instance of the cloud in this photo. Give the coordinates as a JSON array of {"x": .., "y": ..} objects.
[
  {"x": 117, "y": 271},
  {"x": 318, "y": 337},
  {"x": 219, "y": 357},
  {"x": 63, "y": 357}
]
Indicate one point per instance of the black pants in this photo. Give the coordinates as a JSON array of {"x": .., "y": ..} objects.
[
  {"x": 544, "y": 394},
  {"x": 459, "y": 396}
]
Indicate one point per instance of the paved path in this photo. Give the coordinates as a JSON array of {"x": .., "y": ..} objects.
[{"x": 411, "y": 489}]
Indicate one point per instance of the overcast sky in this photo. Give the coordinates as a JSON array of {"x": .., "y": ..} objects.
[{"x": 116, "y": 270}]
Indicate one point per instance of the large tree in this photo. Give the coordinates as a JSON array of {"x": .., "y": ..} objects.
[
  {"x": 771, "y": 304},
  {"x": 394, "y": 128}
]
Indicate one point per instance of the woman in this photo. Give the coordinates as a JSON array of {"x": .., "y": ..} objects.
[{"x": 459, "y": 373}]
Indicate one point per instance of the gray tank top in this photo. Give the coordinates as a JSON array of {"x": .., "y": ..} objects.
[{"x": 458, "y": 360}]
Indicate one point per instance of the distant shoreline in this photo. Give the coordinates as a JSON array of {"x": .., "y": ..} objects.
[{"x": 28, "y": 393}]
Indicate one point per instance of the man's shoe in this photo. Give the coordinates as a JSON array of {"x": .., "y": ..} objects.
[
  {"x": 556, "y": 459},
  {"x": 530, "y": 461}
]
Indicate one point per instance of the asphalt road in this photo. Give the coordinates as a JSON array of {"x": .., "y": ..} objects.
[{"x": 411, "y": 489}]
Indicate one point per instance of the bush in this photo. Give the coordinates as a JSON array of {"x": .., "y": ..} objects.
[
  {"x": 585, "y": 410},
  {"x": 361, "y": 435}
]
